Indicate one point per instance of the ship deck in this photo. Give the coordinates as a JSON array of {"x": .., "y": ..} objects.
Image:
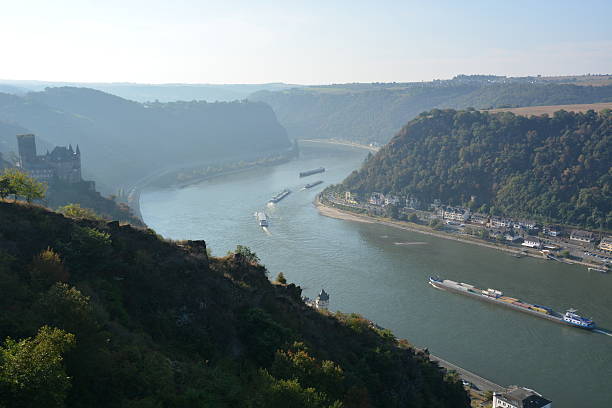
[{"x": 458, "y": 289}]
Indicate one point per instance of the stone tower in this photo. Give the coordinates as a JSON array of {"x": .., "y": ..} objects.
[
  {"x": 27, "y": 149},
  {"x": 322, "y": 300}
]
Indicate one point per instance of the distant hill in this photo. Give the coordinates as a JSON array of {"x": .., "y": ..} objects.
[
  {"x": 556, "y": 168},
  {"x": 122, "y": 141},
  {"x": 102, "y": 315},
  {"x": 152, "y": 92},
  {"x": 375, "y": 112}
]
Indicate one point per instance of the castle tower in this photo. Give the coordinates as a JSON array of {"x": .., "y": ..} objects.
[
  {"x": 27, "y": 149},
  {"x": 322, "y": 300}
]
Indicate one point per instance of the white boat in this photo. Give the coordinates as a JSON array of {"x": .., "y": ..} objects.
[{"x": 262, "y": 219}]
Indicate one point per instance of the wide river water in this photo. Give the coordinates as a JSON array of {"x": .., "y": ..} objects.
[{"x": 382, "y": 272}]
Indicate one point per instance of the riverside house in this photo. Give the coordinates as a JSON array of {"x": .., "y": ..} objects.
[
  {"x": 606, "y": 244},
  {"x": 532, "y": 242},
  {"x": 582, "y": 236},
  {"x": 519, "y": 397}
]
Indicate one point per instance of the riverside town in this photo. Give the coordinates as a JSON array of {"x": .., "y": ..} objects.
[{"x": 528, "y": 237}]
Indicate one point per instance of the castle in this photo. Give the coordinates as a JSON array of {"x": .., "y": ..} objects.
[{"x": 62, "y": 163}]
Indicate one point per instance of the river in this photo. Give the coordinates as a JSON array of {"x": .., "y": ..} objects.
[{"x": 382, "y": 272}]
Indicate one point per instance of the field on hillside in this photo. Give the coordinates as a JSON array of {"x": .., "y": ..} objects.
[{"x": 540, "y": 110}]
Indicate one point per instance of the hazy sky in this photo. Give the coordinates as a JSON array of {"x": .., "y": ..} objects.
[{"x": 307, "y": 42}]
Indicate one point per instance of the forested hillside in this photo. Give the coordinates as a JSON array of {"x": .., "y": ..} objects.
[
  {"x": 555, "y": 168},
  {"x": 375, "y": 112},
  {"x": 96, "y": 314},
  {"x": 122, "y": 141}
]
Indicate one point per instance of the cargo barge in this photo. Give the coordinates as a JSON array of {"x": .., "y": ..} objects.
[
  {"x": 570, "y": 318},
  {"x": 311, "y": 172},
  {"x": 280, "y": 196},
  {"x": 311, "y": 185}
]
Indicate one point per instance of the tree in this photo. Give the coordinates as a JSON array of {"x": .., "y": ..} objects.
[
  {"x": 18, "y": 183},
  {"x": 392, "y": 211},
  {"x": 76, "y": 211},
  {"x": 6, "y": 187},
  {"x": 47, "y": 267},
  {"x": 436, "y": 224},
  {"x": 32, "y": 373},
  {"x": 413, "y": 218},
  {"x": 247, "y": 254},
  {"x": 281, "y": 278}
]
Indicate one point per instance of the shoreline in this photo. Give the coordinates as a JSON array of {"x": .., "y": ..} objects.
[{"x": 333, "y": 212}]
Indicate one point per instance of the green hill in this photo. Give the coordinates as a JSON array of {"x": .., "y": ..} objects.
[
  {"x": 550, "y": 168},
  {"x": 103, "y": 315},
  {"x": 123, "y": 141},
  {"x": 368, "y": 113}
]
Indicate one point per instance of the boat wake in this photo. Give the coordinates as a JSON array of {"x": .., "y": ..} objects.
[
  {"x": 601, "y": 331},
  {"x": 266, "y": 230}
]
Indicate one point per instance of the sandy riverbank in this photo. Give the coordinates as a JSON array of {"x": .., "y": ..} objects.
[{"x": 346, "y": 215}]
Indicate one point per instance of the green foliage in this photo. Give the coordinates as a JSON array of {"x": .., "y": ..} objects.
[
  {"x": 76, "y": 211},
  {"x": 247, "y": 254},
  {"x": 31, "y": 370},
  {"x": 553, "y": 169},
  {"x": 296, "y": 363},
  {"x": 152, "y": 325},
  {"x": 263, "y": 334},
  {"x": 17, "y": 183},
  {"x": 413, "y": 218},
  {"x": 281, "y": 278},
  {"x": 275, "y": 393},
  {"x": 436, "y": 223},
  {"x": 47, "y": 267}
]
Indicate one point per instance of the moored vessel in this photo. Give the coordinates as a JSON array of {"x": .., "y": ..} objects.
[{"x": 570, "y": 317}]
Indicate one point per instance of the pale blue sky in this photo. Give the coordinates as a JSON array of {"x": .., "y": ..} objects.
[{"x": 190, "y": 41}]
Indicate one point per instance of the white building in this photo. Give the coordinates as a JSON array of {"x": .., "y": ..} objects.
[
  {"x": 582, "y": 236},
  {"x": 456, "y": 214},
  {"x": 519, "y": 397},
  {"x": 377, "y": 199},
  {"x": 532, "y": 242},
  {"x": 497, "y": 222},
  {"x": 322, "y": 300},
  {"x": 480, "y": 219},
  {"x": 392, "y": 200}
]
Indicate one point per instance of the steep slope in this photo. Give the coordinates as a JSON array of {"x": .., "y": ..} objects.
[
  {"x": 552, "y": 168},
  {"x": 161, "y": 324},
  {"x": 123, "y": 141},
  {"x": 375, "y": 112}
]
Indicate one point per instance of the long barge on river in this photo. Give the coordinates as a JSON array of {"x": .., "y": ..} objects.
[
  {"x": 570, "y": 318},
  {"x": 311, "y": 172},
  {"x": 311, "y": 185},
  {"x": 280, "y": 196}
]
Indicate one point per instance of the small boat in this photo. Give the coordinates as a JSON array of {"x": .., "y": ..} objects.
[
  {"x": 602, "y": 270},
  {"x": 262, "y": 219}
]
